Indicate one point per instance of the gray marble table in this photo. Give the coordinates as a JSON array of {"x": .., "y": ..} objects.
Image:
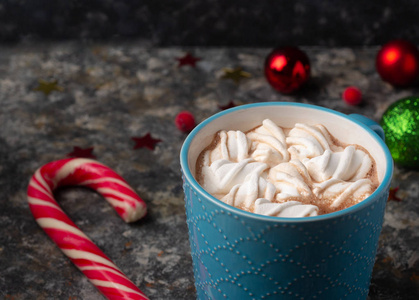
[{"x": 111, "y": 92}]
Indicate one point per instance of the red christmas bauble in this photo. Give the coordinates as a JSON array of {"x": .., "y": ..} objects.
[
  {"x": 287, "y": 69},
  {"x": 397, "y": 62},
  {"x": 352, "y": 95},
  {"x": 185, "y": 121}
]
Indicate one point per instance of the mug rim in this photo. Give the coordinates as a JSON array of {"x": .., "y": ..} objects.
[{"x": 383, "y": 186}]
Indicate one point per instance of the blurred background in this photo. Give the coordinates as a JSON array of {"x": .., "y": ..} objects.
[{"x": 211, "y": 22}]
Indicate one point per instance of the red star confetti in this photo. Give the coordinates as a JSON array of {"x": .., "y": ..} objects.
[
  {"x": 230, "y": 104},
  {"x": 392, "y": 195},
  {"x": 146, "y": 141},
  {"x": 84, "y": 153},
  {"x": 236, "y": 74},
  {"x": 188, "y": 59},
  {"x": 48, "y": 86}
]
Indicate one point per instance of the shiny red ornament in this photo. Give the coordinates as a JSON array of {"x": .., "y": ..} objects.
[
  {"x": 352, "y": 95},
  {"x": 397, "y": 62},
  {"x": 287, "y": 69},
  {"x": 185, "y": 121}
]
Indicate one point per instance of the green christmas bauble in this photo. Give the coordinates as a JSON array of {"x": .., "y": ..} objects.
[{"x": 401, "y": 127}]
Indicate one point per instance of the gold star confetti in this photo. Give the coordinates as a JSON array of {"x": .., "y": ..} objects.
[
  {"x": 235, "y": 74},
  {"x": 48, "y": 86}
]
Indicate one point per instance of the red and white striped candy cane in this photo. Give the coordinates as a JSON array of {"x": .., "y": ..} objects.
[{"x": 98, "y": 268}]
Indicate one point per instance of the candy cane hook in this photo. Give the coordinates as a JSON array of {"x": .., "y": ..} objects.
[{"x": 98, "y": 268}]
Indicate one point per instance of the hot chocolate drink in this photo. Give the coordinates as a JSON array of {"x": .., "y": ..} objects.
[{"x": 286, "y": 172}]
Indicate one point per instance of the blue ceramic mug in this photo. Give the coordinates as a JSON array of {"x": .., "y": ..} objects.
[{"x": 240, "y": 255}]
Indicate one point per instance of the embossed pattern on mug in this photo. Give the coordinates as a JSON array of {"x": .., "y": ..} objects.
[{"x": 223, "y": 270}]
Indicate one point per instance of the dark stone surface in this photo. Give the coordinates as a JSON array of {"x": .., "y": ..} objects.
[
  {"x": 112, "y": 92},
  {"x": 212, "y": 22}
]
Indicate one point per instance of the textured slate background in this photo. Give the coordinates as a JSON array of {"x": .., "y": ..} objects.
[
  {"x": 115, "y": 90},
  {"x": 112, "y": 92},
  {"x": 212, "y": 22}
]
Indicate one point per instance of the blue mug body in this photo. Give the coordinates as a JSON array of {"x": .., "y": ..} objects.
[{"x": 240, "y": 255}]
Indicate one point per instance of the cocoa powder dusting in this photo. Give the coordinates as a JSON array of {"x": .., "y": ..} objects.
[
  {"x": 200, "y": 160},
  {"x": 324, "y": 205}
]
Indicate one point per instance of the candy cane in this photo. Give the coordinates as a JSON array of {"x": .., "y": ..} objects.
[{"x": 98, "y": 268}]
